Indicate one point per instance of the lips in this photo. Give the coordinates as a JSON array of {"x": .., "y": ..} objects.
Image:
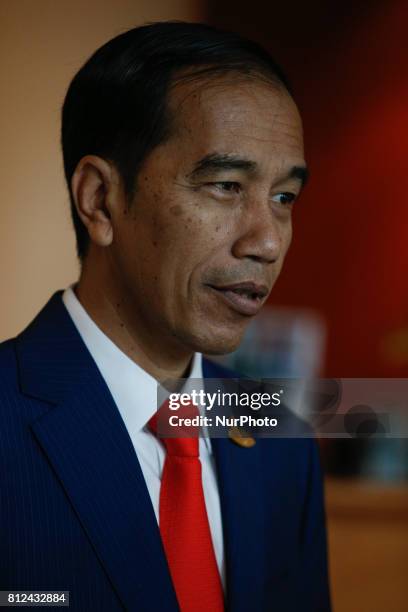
[{"x": 246, "y": 298}]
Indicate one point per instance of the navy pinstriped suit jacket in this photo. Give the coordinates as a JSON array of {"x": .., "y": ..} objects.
[{"x": 75, "y": 514}]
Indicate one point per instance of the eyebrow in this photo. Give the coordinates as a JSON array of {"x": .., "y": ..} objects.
[
  {"x": 224, "y": 161},
  {"x": 221, "y": 161},
  {"x": 300, "y": 172}
]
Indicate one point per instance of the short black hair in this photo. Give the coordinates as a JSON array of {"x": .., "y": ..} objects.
[{"x": 115, "y": 106}]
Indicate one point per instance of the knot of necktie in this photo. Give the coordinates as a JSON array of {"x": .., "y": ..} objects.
[{"x": 185, "y": 440}]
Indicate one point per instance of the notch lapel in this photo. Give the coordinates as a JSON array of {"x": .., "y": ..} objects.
[
  {"x": 243, "y": 524},
  {"x": 87, "y": 444}
]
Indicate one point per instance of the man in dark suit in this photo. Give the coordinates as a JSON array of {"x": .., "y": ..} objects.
[{"x": 183, "y": 154}]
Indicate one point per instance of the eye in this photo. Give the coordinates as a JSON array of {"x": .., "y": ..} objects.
[
  {"x": 226, "y": 186},
  {"x": 285, "y": 197}
]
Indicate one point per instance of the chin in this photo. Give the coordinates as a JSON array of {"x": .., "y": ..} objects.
[
  {"x": 218, "y": 348},
  {"x": 215, "y": 342}
]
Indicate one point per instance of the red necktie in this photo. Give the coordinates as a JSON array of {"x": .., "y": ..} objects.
[{"x": 184, "y": 524}]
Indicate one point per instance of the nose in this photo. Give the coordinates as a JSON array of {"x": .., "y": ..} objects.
[{"x": 260, "y": 237}]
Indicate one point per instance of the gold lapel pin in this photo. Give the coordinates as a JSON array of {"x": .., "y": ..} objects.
[{"x": 236, "y": 436}]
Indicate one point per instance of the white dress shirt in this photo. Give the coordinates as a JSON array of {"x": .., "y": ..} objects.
[{"x": 135, "y": 394}]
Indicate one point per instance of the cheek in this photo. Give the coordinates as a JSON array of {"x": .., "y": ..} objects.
[
  {"x": 186, "y": 229},
  {"x": 173, "y": 234},
  {"x": 285, "y": 232},
  {"x": 287, "y": 236}
]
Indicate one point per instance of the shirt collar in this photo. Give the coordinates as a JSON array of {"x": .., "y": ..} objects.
[{"x": 133, "y": 389}]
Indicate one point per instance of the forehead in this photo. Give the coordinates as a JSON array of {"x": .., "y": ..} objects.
[{"x": 238, "y": 115}]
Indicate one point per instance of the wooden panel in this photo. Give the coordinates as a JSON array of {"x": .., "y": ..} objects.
[{"x": 368, "y": 546}]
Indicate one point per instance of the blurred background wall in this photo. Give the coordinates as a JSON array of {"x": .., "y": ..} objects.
[
  {"x": 348, "y": 62},
  {"x": 42, "y": 44}
]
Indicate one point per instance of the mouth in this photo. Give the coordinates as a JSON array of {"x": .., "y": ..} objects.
[{"x": 246, "y": 298}]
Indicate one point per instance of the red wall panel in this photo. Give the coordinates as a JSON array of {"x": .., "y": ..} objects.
[{"x": 349, "y": 257}]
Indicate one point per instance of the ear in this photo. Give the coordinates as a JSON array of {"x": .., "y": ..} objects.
[{"x": 95, "y": 185}]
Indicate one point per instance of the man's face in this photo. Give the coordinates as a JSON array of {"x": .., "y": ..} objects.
[{"x": 204, "y": 240}]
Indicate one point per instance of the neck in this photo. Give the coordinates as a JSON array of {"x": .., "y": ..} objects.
[{"x": 115, "y": 313}]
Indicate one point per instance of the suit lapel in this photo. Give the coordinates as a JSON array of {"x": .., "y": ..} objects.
[
  {"x": 239, "y": 472},
  {"x": 243, "y": 524},
  {"x": 87, "y": 444}
]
